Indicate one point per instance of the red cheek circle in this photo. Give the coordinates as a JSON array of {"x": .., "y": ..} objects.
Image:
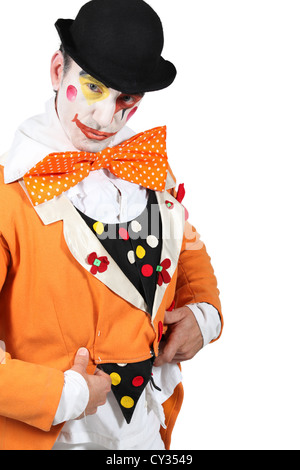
[
  {"x": 71, "y": 93},
  {"x": 132, "y": 112}
]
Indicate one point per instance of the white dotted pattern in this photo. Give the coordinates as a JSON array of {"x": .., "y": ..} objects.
[{"x": 141, "y": 160}]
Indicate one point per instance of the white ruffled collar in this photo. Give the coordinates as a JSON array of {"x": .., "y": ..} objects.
[{"x": 39, "y": 136}]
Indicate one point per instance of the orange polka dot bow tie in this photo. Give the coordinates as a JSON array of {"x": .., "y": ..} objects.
[{"x": 141, "y": 160}]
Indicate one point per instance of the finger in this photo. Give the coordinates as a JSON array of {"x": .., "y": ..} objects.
[
  {"x": 106, "y": 378},
  {"x": 81, "y": 361},
  {"x": 181, "y": 358},
  {"x": 91, "y": 412},
  {"x": 187, "y": 353},
  {"x": 175, "y": 316},
  {"x": 171, "y": 317},
  {"x": 87, "y": 413},
  {"x": 101, "y": 373},
  {"x": 169, "y": 351}
]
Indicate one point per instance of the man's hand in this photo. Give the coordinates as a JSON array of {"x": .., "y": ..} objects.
[
  {"x": 99, "y": 384},
  {"x": 183, "y": 338}
]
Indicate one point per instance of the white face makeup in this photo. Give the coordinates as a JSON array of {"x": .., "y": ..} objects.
[{"x": 90, "y": 113}]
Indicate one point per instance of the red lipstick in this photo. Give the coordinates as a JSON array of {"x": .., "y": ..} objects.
[{"x": 92, "y": 133}]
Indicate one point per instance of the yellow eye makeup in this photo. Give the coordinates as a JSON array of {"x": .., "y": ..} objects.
[{"x": 92, "y": 89}]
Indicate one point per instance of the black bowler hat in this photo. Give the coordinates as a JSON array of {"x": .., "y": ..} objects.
[{"x": 119, "y": 42}]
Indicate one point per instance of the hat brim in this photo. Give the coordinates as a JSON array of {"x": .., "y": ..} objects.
[{"x": 163, "y": 76}]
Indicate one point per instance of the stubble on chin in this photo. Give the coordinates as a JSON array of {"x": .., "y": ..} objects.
[{"x": 91, "y": 146}]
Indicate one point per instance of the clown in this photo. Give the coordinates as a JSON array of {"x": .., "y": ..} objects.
[
  {"x": 105, "y": 287},
  {"x": 90, "y": 113}
]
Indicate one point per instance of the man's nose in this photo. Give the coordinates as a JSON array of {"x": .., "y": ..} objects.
[{"x": 104, "y": 112}]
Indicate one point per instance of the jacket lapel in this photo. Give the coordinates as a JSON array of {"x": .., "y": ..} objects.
[
  {"x": 173, "y": 220},
  {"x": 82, "y": 242}
]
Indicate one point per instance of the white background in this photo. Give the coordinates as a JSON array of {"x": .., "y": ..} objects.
[{"x": 233, "y": 138}]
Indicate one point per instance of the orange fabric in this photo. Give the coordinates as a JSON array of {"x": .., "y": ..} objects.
[
  {"x": 171, "y": 409},
  {"x": 141, "y": 160},
  {"x": 50, "y": 306},
  {"x": 196, "y": 278},
  {"x": 47, "y": 384}
]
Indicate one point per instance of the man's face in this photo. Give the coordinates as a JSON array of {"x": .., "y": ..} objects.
[{"x": 90, "y": 113}]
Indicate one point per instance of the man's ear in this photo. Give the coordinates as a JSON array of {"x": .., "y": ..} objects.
[{"x": 56, "y": 70}]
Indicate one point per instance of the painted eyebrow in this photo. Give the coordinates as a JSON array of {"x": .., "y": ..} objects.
[
  {"x": 89, "y": 77},
  {"x": 85, "y": 74}
]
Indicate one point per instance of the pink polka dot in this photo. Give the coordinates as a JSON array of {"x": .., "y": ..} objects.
[
  {"x": 147, "y": 270},
  {"x": 123, "y": 233},
  {"x": 71, "y": 93}
]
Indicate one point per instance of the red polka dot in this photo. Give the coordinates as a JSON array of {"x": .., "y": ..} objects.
[
  {"x": 138, "y": 381},
  {"x": 123, "y": 233},
  {"x": 147, "y": 270}
]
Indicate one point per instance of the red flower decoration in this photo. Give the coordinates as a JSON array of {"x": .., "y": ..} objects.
[
  {"x": 99, "y": 265},
  {"x": 170, "y": 205},
  {"x": 163, "y": 275}
]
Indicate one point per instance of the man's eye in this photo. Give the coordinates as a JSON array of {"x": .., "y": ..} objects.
[
  {"x": 94, "y": 88},
  {"x": 127, "y": 99}
]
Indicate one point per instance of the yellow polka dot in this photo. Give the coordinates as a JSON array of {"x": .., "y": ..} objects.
[
  {"x": 140, "y": 252},
  {"x": 99, "y": 228},
  {"x": 115, "y": 378},
  {"x": 127, "y": 402}
]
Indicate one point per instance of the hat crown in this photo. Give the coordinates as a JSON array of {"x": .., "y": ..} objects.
[
  {"x": 119, "y": 42},
  {"x": 127, "y": 33}
]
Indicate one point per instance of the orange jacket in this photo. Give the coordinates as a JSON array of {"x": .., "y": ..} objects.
[{"x": 51, "y": 305}]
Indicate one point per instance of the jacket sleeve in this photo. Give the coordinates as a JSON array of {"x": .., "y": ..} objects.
[
  {"x": 29, "y": 393},
  {"x": 4, "y": 260},
  {"x": 196, "y": 280}
]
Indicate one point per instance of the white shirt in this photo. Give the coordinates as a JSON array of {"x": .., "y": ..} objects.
[{"x": 101, "y": 196}]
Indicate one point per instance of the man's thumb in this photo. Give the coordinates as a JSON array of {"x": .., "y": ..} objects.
[{"x": 81, "y": 361}]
